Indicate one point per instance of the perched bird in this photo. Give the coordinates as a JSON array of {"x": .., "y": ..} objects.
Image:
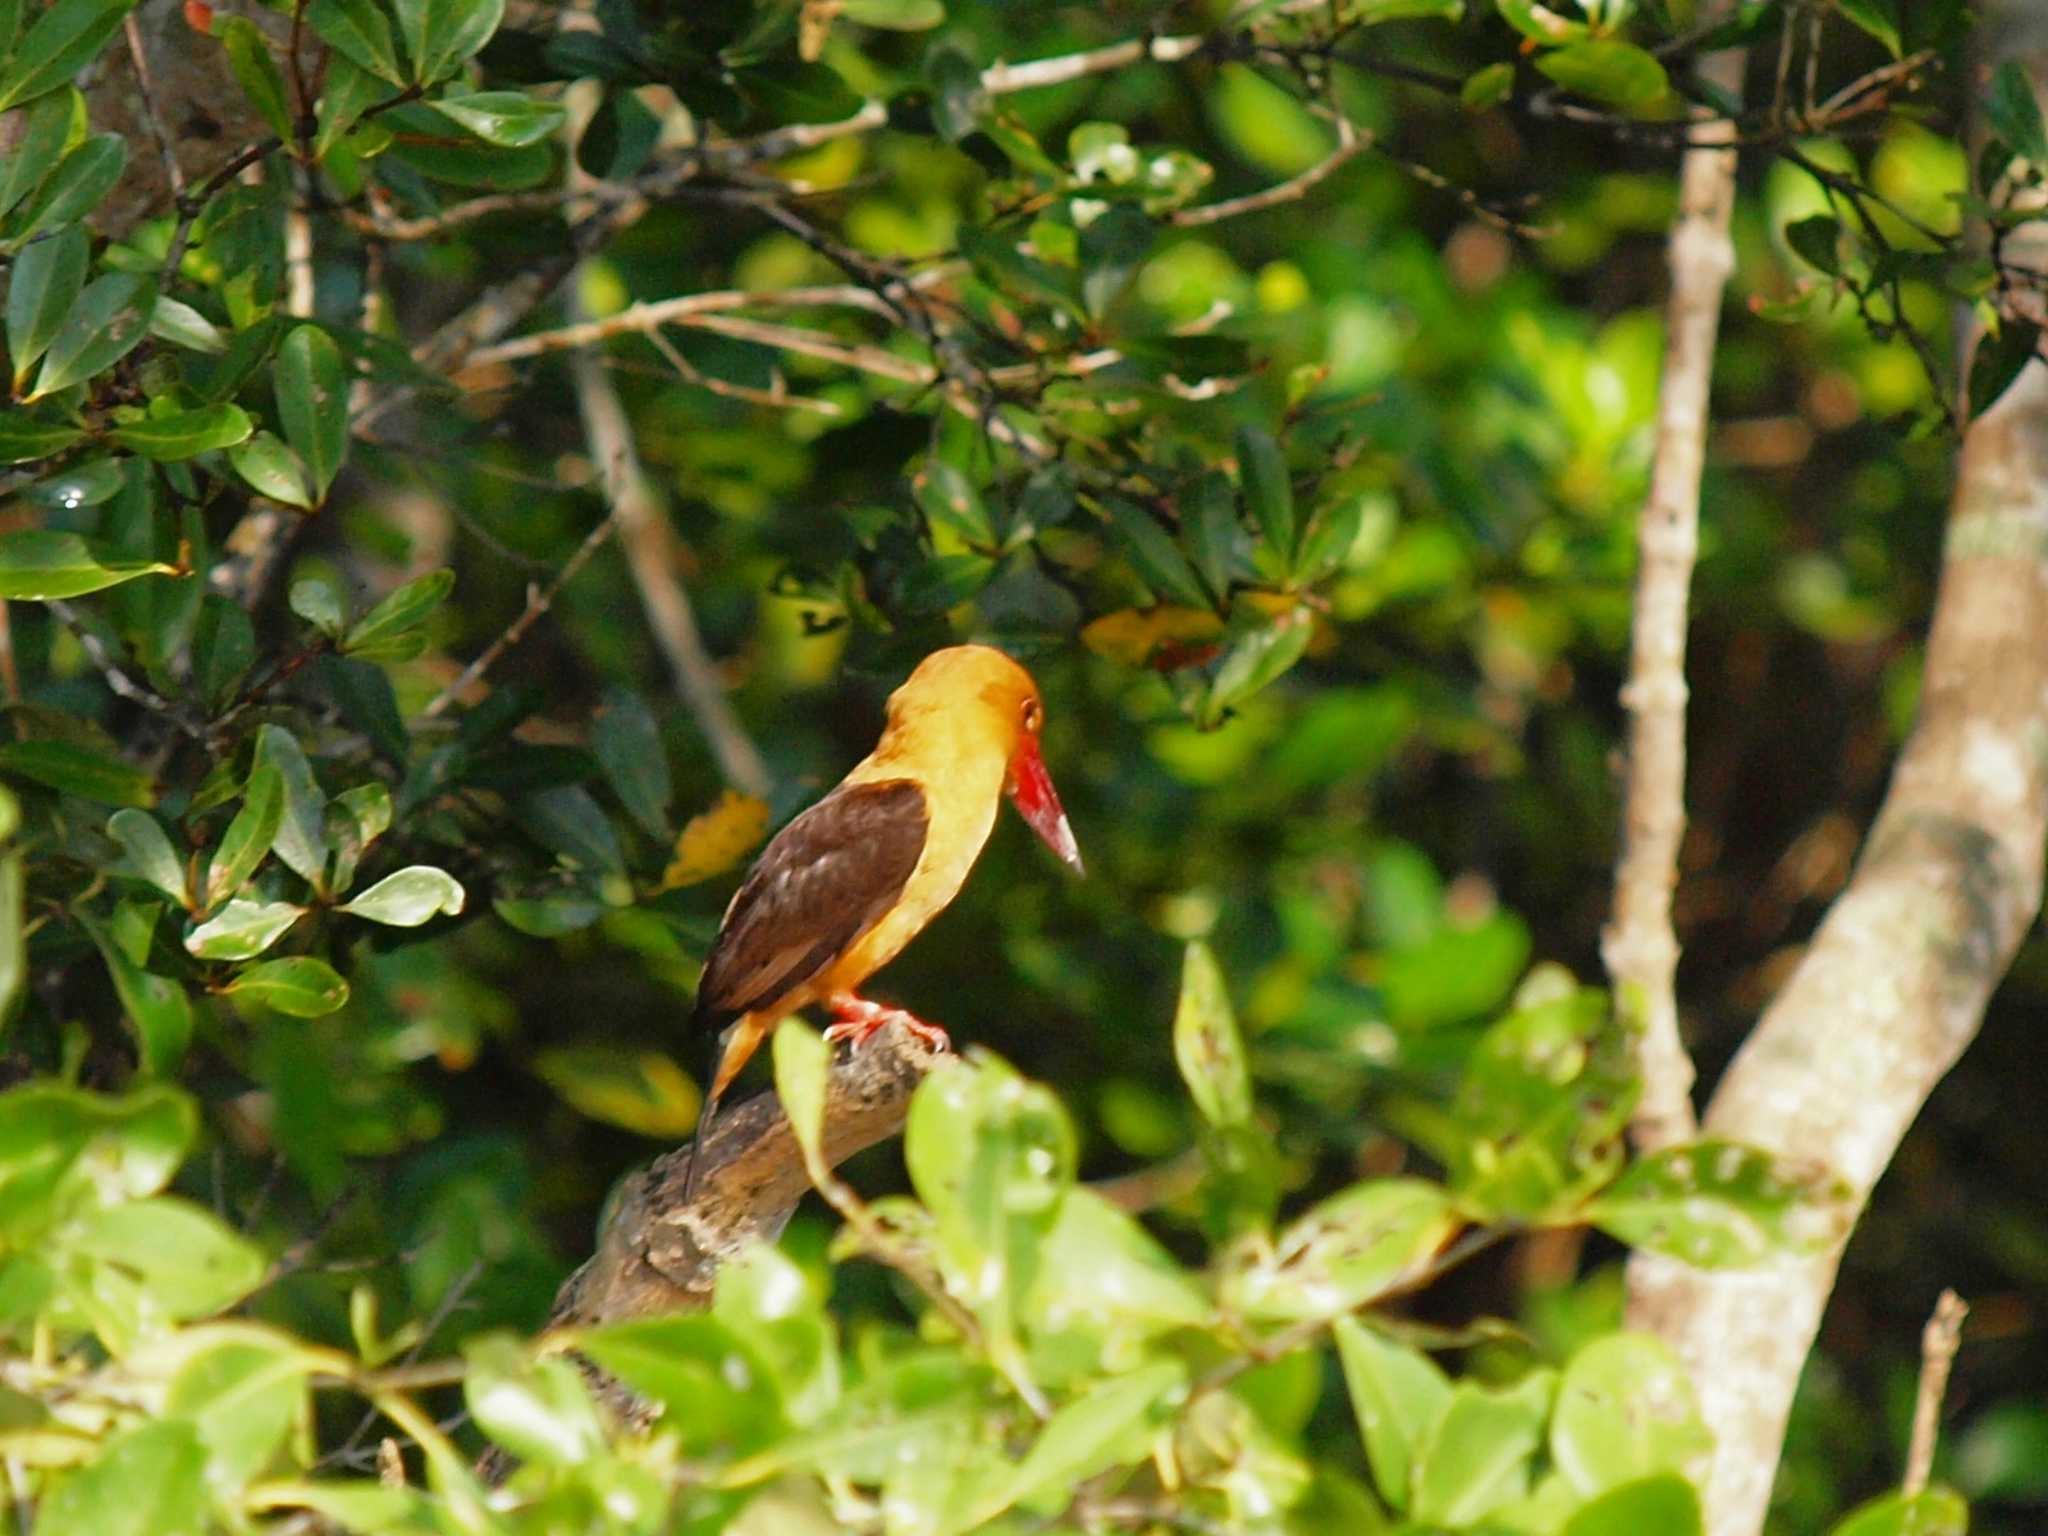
[{"x": 841, "y": 889}]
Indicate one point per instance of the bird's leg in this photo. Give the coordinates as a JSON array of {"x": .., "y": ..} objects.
[{"x": 855, "y": 1018}]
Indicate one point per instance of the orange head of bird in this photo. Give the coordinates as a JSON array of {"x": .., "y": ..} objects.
[{"x": 989, "y": 706}]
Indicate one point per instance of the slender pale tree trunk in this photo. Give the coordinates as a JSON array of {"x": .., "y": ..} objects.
[{"x": 1894, "y": 985}]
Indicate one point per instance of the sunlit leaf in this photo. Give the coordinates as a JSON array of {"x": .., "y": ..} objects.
[
  {"x": 1935, "y": 1511},
  {"x": 1206, "y": 1042},
  {"x": 1478, "y": 1455},
  {"x": 715, "y": 840},
  {"x": 103, "y": 325},
  {"x": 248, "y": 836},
  {"x": 272, "y": 469},
  {"x": 41, "y": 563},
  {"x": 1345, "y": 1252},
  {"x": 185, "y": 433},
  {"x": 641, "y": 1091},
  {"x": 303, "y": 986},
  {"x": 391, "y": 631},
  {"x": 60, "y": 43},
  {"x": 312, "y": 403},
  {"x": 241, "y": 930},
  {"x": 539, "y": 1409},
  {"x": 1626, "y": 1410},
  {"x": 1607, "y": 69},
  {"x": 408, "y": 897},
  {"x": 1720, "y": 1205},
  {"x": 147, "y": 1482},
  {"x": 1398, "y": 1395}
]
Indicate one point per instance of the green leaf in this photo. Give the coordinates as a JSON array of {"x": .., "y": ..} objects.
[
  {"x": 13, "y": 932},
  {"x": 1478, "y": 1458},
  {"x": 1372, "y": 12},
  {"x": 1880, "y": 18},
  {"x": 1998, "y": 360},
  {"x": 1540, "y": 22},
  {"x": 76, "y": 188},
  {"x": 105, "y": 323},
  {"x": 1211, "y": 532},
  {"x": 80, "y": 771},
  {"x": 360, "y": 31},
  {"x": 242, "y": 930},
  {"x": 186, "y": 433},
  {"x": 183, "y": 326},
  {"x": 1153, "y": 554},
  {"x": 150, "y": 854},
  {"x": 568, "y": 820},
  {"x": 1666, "y": 1504},
  {"x": 312, "y": 403},
  {"x": 441, "y": 34},
  {"x": 511, "y": 119},
  {"x": 2014, "y": 112},
  {"x": 717, "y": 1392},
  {"x": 539, "y": 1409},
  {"x": 1721, "y": 1205},
  {"x": 1609, "y": 70},
  {"x": 1103, "y": 1278},
  {"x": 349, "y": 92},
  {"x": 356, "y": 819},
  {"x": 156, "y": 1006},
  {"x": 48, "y": 277},
  {"x": 1345, "y": 1252},
  {"x": 223, "y": 649},
  {"x": 1817, "y": 241},
  {"x": 409, "y": 897},
  {"x": 1110, "y": 1425},
  {"x": 1262, "y": 470},
  {"x": 64, "y": 38},
  {"x": 262, "y": 82},
  {"x": 1935, "y": 1511},
  {"x": 1487, "y": 87},
  {"x": 271, "y": 469},
  {"x": 38, "y": 564},
  {"x": 803, "y": 1067},
  {"x": 959, "y": 101},
  {"x": 315, "y": 600},
  {"x": 244, "y": 1390},
  {"x": 627, "y": 744},
  {"x": 1398, "y": 1395},
  {"x": 391, "y": 630},
  {"x": 1206, "y": 1042},
  {"x": 1258, "y": 659},
  {"x": 1330, "y": 538},
  {"x": 24, "y": 439},
  {"x": 249, "y": 835},
  {"x": 773, "y": 1306},
  {"x": 38, "y": 145},
  {"x": 643, "y": 1091},
  {"x": 299, "y": 985},
  {"x": 895, "y": 15},
  {"x": 1626, "y": 1410},
  {"x": 951, "y": 501},
  {"x": 301, "y": 840},
  {"x": 146, "y": 1482},
  {"x": 190, "y": 1263}
]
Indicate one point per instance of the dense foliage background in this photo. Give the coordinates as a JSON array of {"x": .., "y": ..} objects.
[{"x": 1316, "y": 523}]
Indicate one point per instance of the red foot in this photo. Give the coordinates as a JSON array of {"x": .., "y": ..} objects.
[{"x": 855, "y": 1019}]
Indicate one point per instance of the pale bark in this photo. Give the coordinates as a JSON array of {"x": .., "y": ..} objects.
[{"x": 1640, "y": 946}]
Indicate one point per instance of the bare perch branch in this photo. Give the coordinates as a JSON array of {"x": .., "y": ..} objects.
[
  {"x": 1640, "y": 946},
  {"x": 1939, "y": 1341},
  {"x": 660, "y": 1254}
]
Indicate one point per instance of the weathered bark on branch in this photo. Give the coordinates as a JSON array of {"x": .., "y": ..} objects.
[{"x": 658, "y": 1253}]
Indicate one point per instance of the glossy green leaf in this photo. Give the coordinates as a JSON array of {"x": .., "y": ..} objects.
[
  {"x": 105, "y": 323},
  {"x": 361, "y": 31},
  {"x": 1880, "y": 18},
  {"x": 1666, "y": 1504},
  {"x": 301, "y": 840},
  {"x": 248, "y": 836},
  {"x": 38, "y": 563},
  {"x": 408, "y": 897},
  {"x": 1721, "y": 1205},
  {"x": 64, "y": 38},
  {"x": 244, "y": 1389},
  {"x": 79, "y": 770},
  {"x": 1262, "y": 471},
  {"x": 537, "y": 1408},
  {"x": 1153, "y": 554},
  {"x": 1479, "y": 1455},
  {"x": 312, "y": 403},
  {"x": 1935, "y": 1511},
  {"x": 508, "y": 118},
  {"x": 190, "y": 1262},
  {"x": 272, "y": 469},
  {"x": 950, "y": 500},
  {"x": 1330, "y": 538},
  {"x": 1345, "y": 1252},
  {"x": 300, "y": 985},
  {"x": 179, "y": 323},
  {"x": 1109, "y": 1425},
  {"x": 149, "y": 852},
  {"x": 261, "y": 80},
  {"x": 773, "y": 1306},
  {"x": 1540, "y": 23},
  {"x": 1206, "y": 1042},
  {"x": 1104, "y": 1278},
  {"x": 1258, "y": 658},
  {"x": 315, "y": 600},
  {"x": 803, "y": 1069},
  {"x": 717, "y": 1391},
  {"x": 1626, "y": 1410},
  {"x": 356, "y": 819},
  {"x": 81, "y": 181},
  {"x": 58, "y": 1143},
  {"x": 147, "y": 1482},
  {"x": 242, "y": 929},
  {"x": 441, "y": 34},
  {"x": 895, "y": 15},
  {"x": 24, "y": 439},
  {"x": 1487, "y": 87},
  {"x": 41, "y": 134},
  {"x": 157, "y": 1007},
  {"x": 1398, "y": 1395},
  {"x": 627, "y": 745},
  {"x": 48, "y": 277},
  {"x": 186, "y": 433},
  {"x": 391, "y": 631},
  {"x": 1608, "y": 70},
  {"x": 350, "y": 91}
]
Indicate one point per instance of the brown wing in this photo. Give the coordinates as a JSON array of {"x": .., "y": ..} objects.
[{"x": 827, "y": 877}]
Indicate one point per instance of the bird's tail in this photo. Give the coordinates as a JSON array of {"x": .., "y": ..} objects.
[{"x": 745, "y": 1037}]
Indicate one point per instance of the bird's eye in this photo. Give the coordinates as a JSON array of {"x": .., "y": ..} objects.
[{"x": 1033, "y": 717}]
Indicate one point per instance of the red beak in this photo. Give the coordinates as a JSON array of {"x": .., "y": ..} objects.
[{"x": 1030, "y": 790}]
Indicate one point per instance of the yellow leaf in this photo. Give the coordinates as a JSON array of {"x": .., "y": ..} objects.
[
  {"x": 1136, "y": 636},
  {"x": 642, "y": 1091},
  {"x": 717, "y": 839}
]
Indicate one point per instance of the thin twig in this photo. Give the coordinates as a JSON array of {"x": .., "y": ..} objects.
[
  {"x": 1350, "y": 142},
  {"x": 1939, "y": 1341},
  {"x": 116, "y": 678},
  {"x": 174, "y": 173}
]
